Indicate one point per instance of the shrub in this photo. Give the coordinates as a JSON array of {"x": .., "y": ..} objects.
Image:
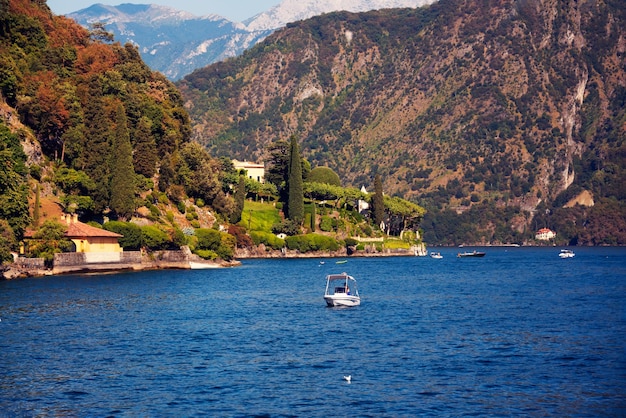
[
  {"x": 311, "y": 242},
  {"x": 208, "y": 239},
  {"x": 351, "y": 242},
  {"x": 268, "y": 239},
  {"x": 206, "y": 254},
  {"x": 153, "y": 238},
  {"x": 287, "y": 227},
  {"x": 243, "y": 239},
  {"x": 131, "y": 232},
  {"x": 221, "y": 243},
  {"x": 326, "y": 223}
]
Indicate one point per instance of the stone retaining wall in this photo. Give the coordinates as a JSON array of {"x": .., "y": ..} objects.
[
  {"x": 69, "y": 259},
  {"x": 30, "y": 263}
]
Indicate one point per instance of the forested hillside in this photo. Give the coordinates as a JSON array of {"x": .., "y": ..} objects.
[
  {"x": 497, "y": 116},
  {"x": 86, "y": 127}
]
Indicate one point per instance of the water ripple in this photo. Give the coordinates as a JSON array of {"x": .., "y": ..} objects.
[{"x": 516, "y": 333}]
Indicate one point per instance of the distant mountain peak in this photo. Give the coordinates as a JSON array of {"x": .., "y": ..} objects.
[
  {"x": 294, "y": 10},
  {"x": 128, "y": 12},
  {"x": 176, "y": 42}
]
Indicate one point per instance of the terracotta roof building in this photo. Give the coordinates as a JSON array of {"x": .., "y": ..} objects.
[
  {"x": 545, "y": 234},
  {"x": 89, "y": 239}
]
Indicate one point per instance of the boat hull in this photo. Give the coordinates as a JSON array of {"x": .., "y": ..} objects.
[
  {"x": 473, "y": 254},
  {"x": 342, "y": 300}
]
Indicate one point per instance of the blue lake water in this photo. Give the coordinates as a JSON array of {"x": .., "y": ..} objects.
[{"x": 518, "y": 332}]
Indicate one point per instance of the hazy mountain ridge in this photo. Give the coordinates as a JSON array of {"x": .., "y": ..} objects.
[
  {"x": 457, "y": 104},
  {"x": 175, "y": 42},
  {"x": 169, "y": 40},
  {"x": 293, "y": 10}
]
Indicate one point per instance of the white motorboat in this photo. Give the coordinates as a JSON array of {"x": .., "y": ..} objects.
[
  {"x": 341, "y": 290},
  {"x": 566, "y": 254},
  {"x": 435, "y": 255}
]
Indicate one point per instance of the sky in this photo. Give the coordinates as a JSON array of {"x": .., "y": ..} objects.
[{"x": 234, "y": 10}]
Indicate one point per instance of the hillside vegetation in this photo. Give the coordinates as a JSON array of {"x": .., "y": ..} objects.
[
  {"x": 493, "y": 115},
  {"x": 87, "y": 128}
]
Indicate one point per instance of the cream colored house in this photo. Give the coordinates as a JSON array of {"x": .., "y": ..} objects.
[
  {"x": 254, "y": 171},
  {"x": 89, "y": 239},
  {"x": 545, "y": 234}
]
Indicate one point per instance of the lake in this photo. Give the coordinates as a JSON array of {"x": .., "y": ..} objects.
[{"x": 518, "y": 332}]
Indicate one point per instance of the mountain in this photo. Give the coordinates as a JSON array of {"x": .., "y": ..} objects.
[
  {"x": 293, "y": 10},
  {"x": 170, "y": 41},
  {"x": 499, "y": 113},
  {"x": 86, "y": 126},
  {"x": 176, "y": 43}
]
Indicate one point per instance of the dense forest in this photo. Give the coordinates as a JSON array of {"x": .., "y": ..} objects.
[{"x": 497, "y": 116}]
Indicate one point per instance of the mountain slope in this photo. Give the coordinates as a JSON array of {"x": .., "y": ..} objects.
[
  {"x": 459, "y": 104},
  {"x": 176, "y": 43}
]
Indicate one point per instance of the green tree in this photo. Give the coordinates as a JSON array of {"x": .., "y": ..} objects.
[
  {"x": 131, "y": 232},
  {"x": 36, "y": 209},
  {"x": 122, "y": 174},
  {"x": 97, "y": 153},
  {"x": 240, "y": 198},
  {"x": 13, "y": 187},
  {"x": 208, "y": 239},
  {"x": 277, "y": 171},
  {"x": 295, "y": 206},
  {"x": 98, "y": 32},
  {"x": 154, "y": 238},
  {"x": 8, "y": 242},
  {"x": 324, "y": 175},
  {"x": 144, "y": 155},
  {"x": 48, "y": 240},
  {"x": 378, "y": 201}
]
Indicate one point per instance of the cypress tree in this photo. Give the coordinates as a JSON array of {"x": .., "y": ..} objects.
[
  {"x": 240, "y": 197},
  {"x": 36, "y": 209},
  {"x": 278, "y": 169},
  {"x": 122, "y": 173},
  {"x": 378, "y": 201},
  {"x": 295, "y": 207},
  {"x": 145, "y": 155},
  {"x": 98, "y": 147}
]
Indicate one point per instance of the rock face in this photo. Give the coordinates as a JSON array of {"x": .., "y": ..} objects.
[{"x": 10, "y": 273}]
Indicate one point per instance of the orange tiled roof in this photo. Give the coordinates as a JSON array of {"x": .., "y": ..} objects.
[{"x": 81, "y": 230}]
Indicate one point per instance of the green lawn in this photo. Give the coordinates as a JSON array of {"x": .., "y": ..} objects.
[{"x": 259, "y": 216}]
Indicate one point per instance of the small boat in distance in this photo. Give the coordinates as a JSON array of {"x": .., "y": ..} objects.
[
  {"x": 436, "y": 255},
  {"x": 341, "y": 290},
  {"x": 471, "y": 254},
  {"x": 566, "y": 254},
  {"x": 341, "y": 262}
]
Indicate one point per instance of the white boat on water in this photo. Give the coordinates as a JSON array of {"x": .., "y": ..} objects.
[
  {"x": 436, "y": 255},
  {"x": 341, "y": 290},
  {"x": 566, "y": 254}
]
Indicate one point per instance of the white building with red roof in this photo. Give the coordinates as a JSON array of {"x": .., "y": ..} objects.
[{"x": 545, "y": 234}]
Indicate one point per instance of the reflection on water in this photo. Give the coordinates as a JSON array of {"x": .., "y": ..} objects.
[{"x": 518, "y": 332}]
